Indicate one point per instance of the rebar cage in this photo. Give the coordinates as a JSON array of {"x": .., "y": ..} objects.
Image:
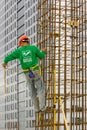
[{"x": 61, "y": 28}]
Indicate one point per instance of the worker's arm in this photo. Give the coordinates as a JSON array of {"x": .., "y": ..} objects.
[
  {"x": 4, "y": 65},
  {"x": 14, "y": 55},
  {"x": 41, "y": 53}
]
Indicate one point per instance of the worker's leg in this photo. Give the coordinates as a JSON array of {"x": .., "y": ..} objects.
[
  {"x": 40, "y": 90},
  {"x": 33, "y": 92}
]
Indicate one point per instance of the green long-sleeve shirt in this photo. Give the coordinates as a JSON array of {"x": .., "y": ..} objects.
[{"x": 27, "y": 55}]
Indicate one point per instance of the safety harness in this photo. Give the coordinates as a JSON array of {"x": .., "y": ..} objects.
[{"x": 30, "y": 70}]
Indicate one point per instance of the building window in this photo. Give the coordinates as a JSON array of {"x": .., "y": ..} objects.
[
  {"x": 34, "y": 39},
  {"x": 34, "y": 9},
  {"x": 15, "y": 96},
  {"x": 15, "y": 105},
  {"x": 28, "y": 13},
  {"x": 12, "y": 88},
  {"x": 26, "y": 93},
  {"x": 30, "y": 103},
  {"x": 26, "y": 125},
  {"x": 12, "y": 97},
  {"x": 31, "y": 113},
  {"x": 33, "y": 19},
  {"x": 26, "y": 103},
  {"x": 26, "y": 113},
  {"x": 34, "y": 29},
  {"x": 29, "y": 32},
  {"x": 16, "y": 115},
  {"x": 28, "y": 23}
]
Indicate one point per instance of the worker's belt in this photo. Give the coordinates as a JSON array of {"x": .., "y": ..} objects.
[{"x": 31, "y": 68}]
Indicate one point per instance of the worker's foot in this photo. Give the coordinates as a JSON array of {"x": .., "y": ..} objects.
[{"x": 43, "y": 109}]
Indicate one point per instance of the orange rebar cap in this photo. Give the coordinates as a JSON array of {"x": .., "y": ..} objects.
[{"x": 23, "y": 38}]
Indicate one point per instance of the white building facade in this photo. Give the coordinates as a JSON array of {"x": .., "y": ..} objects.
[{"x": 17, "y": 17}]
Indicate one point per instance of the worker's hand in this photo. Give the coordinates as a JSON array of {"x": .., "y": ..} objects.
[
  {"x": 4, "y": 65},
  {"x": 44, "y": 49}
]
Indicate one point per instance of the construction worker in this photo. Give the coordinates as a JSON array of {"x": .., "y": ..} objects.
[{"x": 29, "y": 56}]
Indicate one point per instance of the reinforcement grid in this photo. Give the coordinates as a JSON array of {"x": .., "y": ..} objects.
[{"x": 61, "y": 28}]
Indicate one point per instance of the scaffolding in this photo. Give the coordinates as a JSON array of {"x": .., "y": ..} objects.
[{"x": 61, "y": 28}]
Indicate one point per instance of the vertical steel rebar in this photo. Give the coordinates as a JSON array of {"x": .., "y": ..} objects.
[{"x": 62, "y": 30}]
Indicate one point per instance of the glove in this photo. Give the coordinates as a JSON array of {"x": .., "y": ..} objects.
[
  {"x": 4, "y": 65},
  {"x": 44, "y": 49}
]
